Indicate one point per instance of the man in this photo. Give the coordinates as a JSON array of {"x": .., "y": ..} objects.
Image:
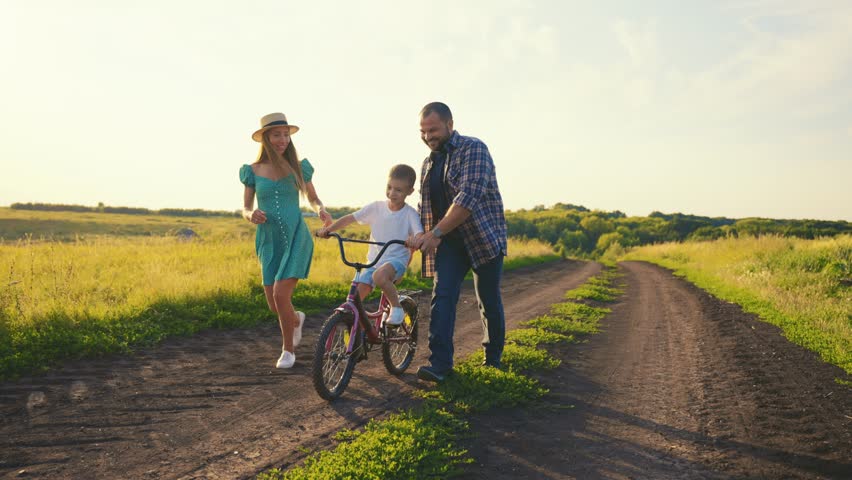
[{"x": 465, "y": 228}]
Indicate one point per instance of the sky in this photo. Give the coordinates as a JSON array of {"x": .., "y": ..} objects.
[{"x": 717, "y": 108}]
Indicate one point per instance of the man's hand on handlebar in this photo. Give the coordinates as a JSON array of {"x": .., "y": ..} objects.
[
  {"x": 413, "y": 242},
  {"x": 322, "y": 232},
  {"x": 427, "y": 243}
]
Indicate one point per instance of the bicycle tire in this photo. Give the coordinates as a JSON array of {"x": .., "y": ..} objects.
[
  {"x": 397, "y": 356},
  {"x": 332, "y": 366}
]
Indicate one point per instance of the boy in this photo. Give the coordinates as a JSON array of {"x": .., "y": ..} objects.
[{"x": 390, "y": 219}]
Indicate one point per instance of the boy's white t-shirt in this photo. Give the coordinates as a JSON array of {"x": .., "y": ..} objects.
[{"x": 386, "y": 225}]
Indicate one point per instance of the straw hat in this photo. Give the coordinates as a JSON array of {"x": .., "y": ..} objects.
[{"x": 271, "y": 121}]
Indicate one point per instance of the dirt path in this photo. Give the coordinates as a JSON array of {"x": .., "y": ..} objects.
[
  {"x": 678, "y": 385},
  {"x": 212, "y": 406}
]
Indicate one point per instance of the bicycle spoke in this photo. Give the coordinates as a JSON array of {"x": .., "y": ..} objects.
[
  {"x": 335, "y": 358},
  {"x": 400, "y": 343}
]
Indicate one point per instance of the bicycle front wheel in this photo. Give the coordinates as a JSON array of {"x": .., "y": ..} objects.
[
  {"x": 332, "y": 368},
  {"x": 400, "y": 342}
]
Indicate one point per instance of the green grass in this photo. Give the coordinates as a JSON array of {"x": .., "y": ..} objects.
[
  {"x": 578, "y": 311},
  {"x": 512, "y": 263},
  {"x": 93, "y": 293},
  {"x": 564, "y": 326},
  {"x": 17, "y": 225},
  {"x": 44, "y": 342},
  {"x": 802, "y": 286},
  {"x": 597, "y": 289},
  {"x": 474, "y": 388},
  {"x": 535, "y": 336},
  {"x": 422, "y": 442},
  {"x": 406, "y": 445}
]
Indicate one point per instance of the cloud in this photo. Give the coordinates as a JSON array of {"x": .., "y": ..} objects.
[
  {"x": 639, "y": 40},
  {"x": 788, "y": 56}
]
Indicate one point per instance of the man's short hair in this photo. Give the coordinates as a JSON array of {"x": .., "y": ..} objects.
[
  {"x": 403, "y": 172},
  {"x": 441, "y": 109}
]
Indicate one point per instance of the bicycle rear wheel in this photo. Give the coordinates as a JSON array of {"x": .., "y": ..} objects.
[
  {"x": 332, "y": 368},
  {"x": 400, "y": 342}
]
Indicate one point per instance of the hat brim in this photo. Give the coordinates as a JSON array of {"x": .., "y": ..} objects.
[{"x": 258, "y": 135}]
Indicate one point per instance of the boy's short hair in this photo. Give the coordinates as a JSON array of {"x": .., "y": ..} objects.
[{"x": 403, "y": 172}]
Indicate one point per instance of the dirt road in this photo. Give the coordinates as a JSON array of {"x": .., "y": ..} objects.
[
  {"x": 678, "y": 385},
  {"x": 212, "y": 406}
]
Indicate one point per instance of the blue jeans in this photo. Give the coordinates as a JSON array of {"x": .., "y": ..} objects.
[{"x": 451, "y": 265}]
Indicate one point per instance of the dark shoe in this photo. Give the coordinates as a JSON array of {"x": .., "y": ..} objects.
[
  {"x": 431, "y": 374},
  {"x": 498, "y": 366}
]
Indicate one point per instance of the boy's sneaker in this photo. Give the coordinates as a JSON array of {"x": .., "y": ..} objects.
[
  {"x": 397, "y": 315},
  {"x": 297, "y": 331},
  {"x": 286, "y": 360}
]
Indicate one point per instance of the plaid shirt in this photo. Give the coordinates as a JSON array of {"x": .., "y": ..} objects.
[{"x": 470, "y": 182}]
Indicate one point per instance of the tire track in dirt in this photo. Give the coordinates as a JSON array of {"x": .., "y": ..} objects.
[
  {"x": 677, "y": 385},
  {"x": 212, "y": 406}
]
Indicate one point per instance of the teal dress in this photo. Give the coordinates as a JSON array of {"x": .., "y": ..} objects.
[{"x": 284, "y": 245}]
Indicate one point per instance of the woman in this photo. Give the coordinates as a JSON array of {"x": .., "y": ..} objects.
[{"x": 283, "y": 242}]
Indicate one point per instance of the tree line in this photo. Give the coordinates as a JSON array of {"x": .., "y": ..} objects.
[
  {"x": 573, "y": 230},
  {"x": 577, "y": 231},
  {"x": 101, "y": 208},
  {"x": 336, "y": 212}
]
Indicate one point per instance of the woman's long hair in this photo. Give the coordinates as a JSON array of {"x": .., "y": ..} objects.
[{"x": 291, "y": 158}]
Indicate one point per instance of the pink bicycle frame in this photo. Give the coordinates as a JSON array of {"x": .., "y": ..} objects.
[
  {"x": 362, "y": 317},
  {"x": 353, "y": 299}
]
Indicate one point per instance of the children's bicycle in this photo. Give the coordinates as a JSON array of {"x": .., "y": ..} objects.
[{"x": 351, "y": 332}]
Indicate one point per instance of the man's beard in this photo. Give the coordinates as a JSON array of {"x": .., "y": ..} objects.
[{"x": 438, "y": 145}]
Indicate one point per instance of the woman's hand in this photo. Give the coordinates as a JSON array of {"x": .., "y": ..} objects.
[
  {"x": 322, "y": 232},
  {"x": 258, "y": 216},
  {"x": 325, "y": 217}
]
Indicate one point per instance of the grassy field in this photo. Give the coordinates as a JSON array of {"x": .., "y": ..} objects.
[
  {"x": 18, "y": 225},
  {"x": 802, "y": 286},
  {"x": 88, "y": 287}
]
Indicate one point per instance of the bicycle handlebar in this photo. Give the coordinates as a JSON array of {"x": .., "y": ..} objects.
[{"x": 359, "y": 265}]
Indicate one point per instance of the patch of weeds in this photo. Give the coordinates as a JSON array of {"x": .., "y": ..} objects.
[
  {"x": 346, "y": 435},
  {"x": 563, "y": 325},
  {"x": 536, "y": 336},
  {"x": 578, "y": 311},
  {"x": 843, "y": 382},
  {"x": 525, "y": 359},
  {"x": 405, "y": 445},
  {"x": 474, "y": 388},
  {"x": 591, "y": 291},
  {"x": 520, "y": 358}
]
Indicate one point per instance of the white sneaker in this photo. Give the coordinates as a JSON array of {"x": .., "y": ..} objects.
[
  {"x": 286, "y": 360},
  {"x": 297, "y": 332},
  {"x": 397, "y": 315}
]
